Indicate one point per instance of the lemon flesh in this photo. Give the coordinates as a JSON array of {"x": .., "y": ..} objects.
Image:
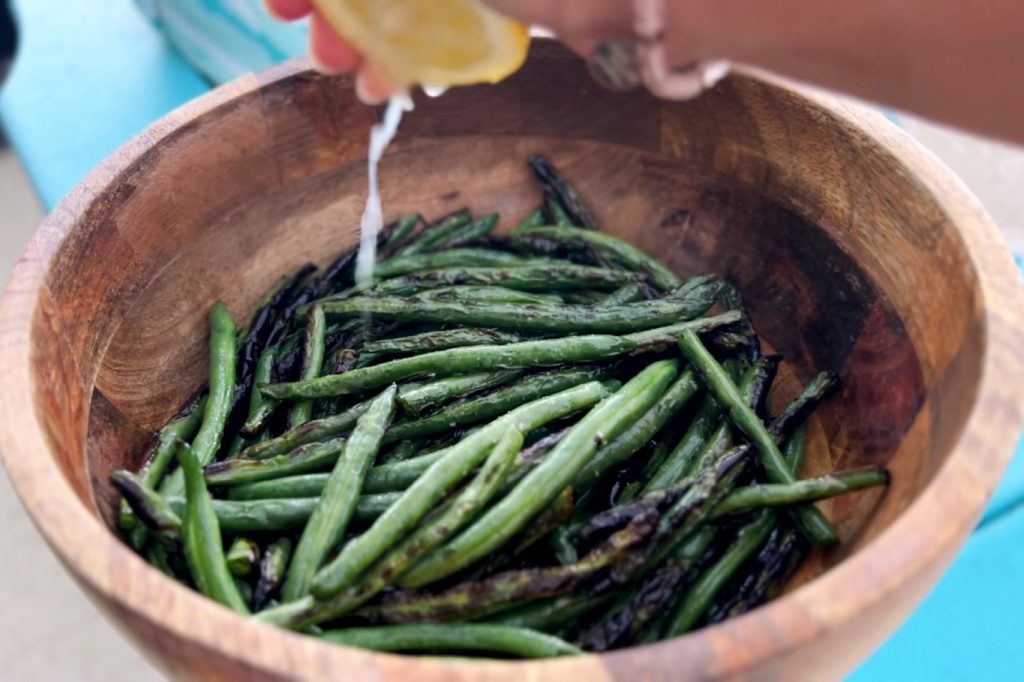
[{"x": 430, "y": 42}]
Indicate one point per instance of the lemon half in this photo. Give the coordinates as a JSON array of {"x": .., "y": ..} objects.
[{"x": 430, "y": 42}]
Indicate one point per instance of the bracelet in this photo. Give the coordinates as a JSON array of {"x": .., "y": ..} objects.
[{"x": 623, "y": 65}]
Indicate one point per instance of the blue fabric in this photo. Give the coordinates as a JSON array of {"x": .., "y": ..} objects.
[
  {"x": 225, "y": 39},
  {"x": 89, "y": 74},
  {"x": 969, "y": 627}
]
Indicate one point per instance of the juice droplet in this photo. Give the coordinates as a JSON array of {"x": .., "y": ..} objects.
[{"x": 373, "y": 215}]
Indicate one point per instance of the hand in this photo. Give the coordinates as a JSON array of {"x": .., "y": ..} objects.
[
  {"x": 945, "y": 59},
  {"x": 329, "y": 51}
]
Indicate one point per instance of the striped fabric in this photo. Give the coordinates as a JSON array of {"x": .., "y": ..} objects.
[{"x": 224, "y": 39}]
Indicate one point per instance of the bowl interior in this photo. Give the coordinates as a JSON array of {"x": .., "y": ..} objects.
[{"x": 844, "y": 259}]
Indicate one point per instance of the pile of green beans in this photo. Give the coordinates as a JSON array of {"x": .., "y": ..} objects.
[{"x": 521, "y": 446}]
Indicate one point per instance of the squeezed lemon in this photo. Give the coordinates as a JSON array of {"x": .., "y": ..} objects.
[{"x": 430, "y": 42}]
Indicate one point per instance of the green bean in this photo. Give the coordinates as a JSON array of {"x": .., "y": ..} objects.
[
  {"x": 435, "y": 530},
  {"x": 310, "y": 432},
  {"x": 801, "y": 407},
  {"x": 501, "y": 591},
  {"x": 555, "y": 214},
  {"x": 496, "y": 403},
  {"x": 565, "y": 196},
  {"x": 628, "y": 293},
  {"x": 422, "y": 397},
  {"x": 677, "y": 525},
  {"x": 811, "y": 520},
  {"x": 286, "y": 487},
  {"x": 449, "y": 258},
  {"x": 454, "y": 517},
  {"x": 218, "y": 403},
  {"x": 436, "y": 233},
  {"x": 236, "y": 448},
  {"x": 390, "y": 476},
  {"x": 145, "y": 504},
  {"x": 488, "y": 294},
  {"x": 301, "y": 460},
  {"x": 441, "y": 340},
  {"x": 681, "y": 459},
  {"x": 400, "y": 475},
  {"x": 640, "y": 432},
  {"x": 663, "y": 445},
  {"x": 753, "y": 388},
  {"x": 800, "y": 492},
  {"x": 273, "y": 566},
  {"x": 796, "y": 449},
  {"x": 179, "y": 429},
  {"x": 554, "y": 516},
  {"x": 329, "y": 520},
  {"x": 495, "y": 639},
  {"x": 664, "y": 338},
  {"x": 263, "y": 373},
  {"x": 638, "y": 609},
  {"x": 257, "y": 402},
  {"x": 254, "y": 338},
  {"x": 554, "y": 276},
  {"x": 257, "y": 422},
  {"x": 157, "y": 556},
  {"x": 549, "y": 614},
  {"x": 546, "y": 318},
  {"x": 402, "y": 451},
  {"x": 182, "y": 427},
  {"x": 312, "y": 364},
  {"x": 201, "y": 534},
  {"x": 534, "y": 219},
  {"x": 242, "y": 556},
  {"x": 741, "y": 500},
  {"x": 549, "y": 239},
  {"x": 768, "y": 572},
  {"x": 584, "y": 297},
  {"x": 477, "y": 229},
  {"x": 458, "y": 361},
  {"x": 399, "y": 234},
  {"x": 702, "y": 593},
  {"x": 253, "y": 516},
  {"x": 603, "y": 423},
  {"x": 437, "y": 480}
]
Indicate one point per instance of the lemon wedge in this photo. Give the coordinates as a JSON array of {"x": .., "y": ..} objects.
[{"x": 430, "y": 42}]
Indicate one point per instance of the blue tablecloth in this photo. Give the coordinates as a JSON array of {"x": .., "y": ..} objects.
[{"x": 90, "y": 74}]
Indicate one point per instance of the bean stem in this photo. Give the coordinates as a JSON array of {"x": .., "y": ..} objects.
[{"x": 336, "y": 505}]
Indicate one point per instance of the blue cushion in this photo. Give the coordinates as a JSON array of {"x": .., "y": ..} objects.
[
  {"x": 89, "y": 74},
  {"x": 969, "y": 627},
  {"x": 224, "y": 39}
]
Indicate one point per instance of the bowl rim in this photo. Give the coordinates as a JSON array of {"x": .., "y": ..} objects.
[{"x": 956, "y": 494}]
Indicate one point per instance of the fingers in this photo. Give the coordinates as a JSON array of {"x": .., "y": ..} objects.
[
  {"x": 371, "y": 87},
  {"x": 328, "y": 51},
  {"x": 289, "y": 10}
]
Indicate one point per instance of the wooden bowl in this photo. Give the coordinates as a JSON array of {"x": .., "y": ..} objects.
[{"x": 856, "y": 249}]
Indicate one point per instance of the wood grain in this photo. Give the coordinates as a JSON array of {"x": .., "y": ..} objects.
[{"x": 856, "y": 249}]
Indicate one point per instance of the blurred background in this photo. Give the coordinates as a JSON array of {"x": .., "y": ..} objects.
[{"x": 79, "y": 77}]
